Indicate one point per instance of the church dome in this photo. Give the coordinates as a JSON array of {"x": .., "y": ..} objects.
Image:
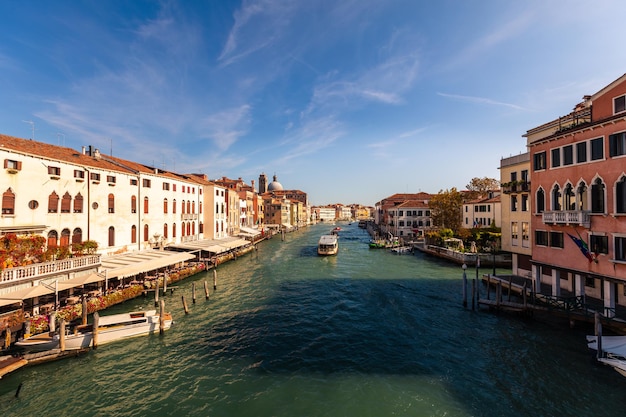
[{"x": 275, "y": 185}]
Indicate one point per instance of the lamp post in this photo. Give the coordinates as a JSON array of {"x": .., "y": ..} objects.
[{"x": 464, "y": 285}]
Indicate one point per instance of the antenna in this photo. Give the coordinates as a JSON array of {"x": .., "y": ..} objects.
[
  {"x": 32, "y": 124},
  {"x": 58, "y": 138}
]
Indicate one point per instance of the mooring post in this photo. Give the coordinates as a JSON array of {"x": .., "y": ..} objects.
[
  {"x": 62, "y": 336},
  {"x": 84, "y": 312},
  {"x": 156, "y": 294},
  {"x": 185, "y": 304},
  {"x": 193, "y": 292},
  {"x": 206, "y": 290},
  {"x": 96, "y": 323},
  {"x": 164, "y": 284},
  {"x": 464, "y": 286},
  {"x": 162, "y": 317},
  {"x": 214, "y": 279},
  {"x": 598, "y": 322},
  {"x": 510, "y": 286}
]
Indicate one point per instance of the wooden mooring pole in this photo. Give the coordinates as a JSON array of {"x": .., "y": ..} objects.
[
  {"x": 156, "y": 294},
  {"x": 598, "y": 323},
  {"x": 84, "y": 312},
  {"x": 214, "y": 279},
  {"x": 162, "y": 317},
  {"x": 185, "y": 304},
  {"x": 206, "y": 290},
  {"x": 193, "y": 292}
]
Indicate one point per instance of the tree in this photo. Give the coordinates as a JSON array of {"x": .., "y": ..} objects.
[
  {"x": 446, "y": 209},
  {"x": 480, "y": 186}
]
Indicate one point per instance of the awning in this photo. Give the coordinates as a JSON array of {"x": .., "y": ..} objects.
[
  {"x": 24, "y": 294},
  {"x": 80, "y": 281},
  {"x": 215, "y": 246},
  {"x": 249, "y": 232},
  {"x": 135, "y": 263}
]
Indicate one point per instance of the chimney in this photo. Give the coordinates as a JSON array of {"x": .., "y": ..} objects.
[
  {"x": 96, "y": 153},
  {"x": 84, "y": 150}
]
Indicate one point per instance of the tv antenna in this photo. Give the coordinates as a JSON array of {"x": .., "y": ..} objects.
[{"x": 32, "y": 124}]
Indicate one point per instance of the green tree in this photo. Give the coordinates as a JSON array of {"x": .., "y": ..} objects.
[
  {"x": 446, "y": 209},
  {"x": 480, "y": 186}
]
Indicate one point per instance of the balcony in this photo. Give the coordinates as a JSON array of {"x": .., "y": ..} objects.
[
  {"x": 515, "y": 187},
  {"x": 570, "y": 218}
]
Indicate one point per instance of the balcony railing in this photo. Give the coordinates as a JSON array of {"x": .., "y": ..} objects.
[
  {"x": 189, "y": 216},
  {"x": 566, "y": 217},
  {"x": 515, "y": 187},
  {"x": 42, "y": 270}
]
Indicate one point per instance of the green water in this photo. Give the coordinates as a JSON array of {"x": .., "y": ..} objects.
[{"x": 364, "y": 333}]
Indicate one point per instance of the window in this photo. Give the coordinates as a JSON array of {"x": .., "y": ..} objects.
[
  {"x": 597, "y": 196},
  {"x": 33, "y": 204},
  {"x": 525, "y": 231},
  {"x": 174, "y": 206},
  {"x": 513, "y": 203},
  {"x": 65, "y": 237},
  {"x": 182, "y": 207},
  {"x": 111, "y": 203},
  {"x": 174, "y": 230},
  {"x": 620, "y": 248},
  {"x": 12, "y": 165},
  {"x": 581, "y": 193},
  {"x": 146, "y": 183},
  {"x": 111, "y": 236},
  {"x": 79, "y": 174},
  {"x": 620, "y": 196},
  {"x": 53, "y": 238},
  {"x": 133, "y": 204},
  {"x": 173, "y": 187},
  {"x": 525, "y": 175},
  {"x": 146, "y": 233},
  {"x": 597, "y": 149},
  {"x": 165, "y": 205},
  {"x": 165, "y": 230},
  {"x": 599, "y": 244},
  {"x": 556, "y": 157},
  {"x": 524, "y": 202},
  {"x": 54, "y": 171},
  {"x": 133, "y": 181},
  {"x": 541, "y": 237},
  {"x": 145, "y": 205},
  {"x": 217, "y": 192},
  {"x": 66, "y": 203},
  {"x": 166, "y": 186},
  {"x": 133, "y": 234},
  {"x": 94, "y": 176},
  {"x": 77, "y": 235},
  {"x": 556, "y": 198},
  {"x": 569, "y": 198},
  {"x": 53, "y": 203},
  {"x": 619, "y": 104},
  {"x": 617, "y": 144},
  {"x": 541, "y": 200},
  {"x": 111, "y": 179},
  {"x": 514, "y": 231},
  {"x": 8, "y": 202},
  {"x": 581, "y": 152},
  {"x": 568, "y": 155},
  {"x": 78, "y": 203},
  {"x": 539, "y": 161},
  {"x": 556, "y": 239}
]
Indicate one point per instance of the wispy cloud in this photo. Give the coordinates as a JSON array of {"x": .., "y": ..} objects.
[
  {"x": 226, "y": 127},
  {"x": 480, "y": 100}
]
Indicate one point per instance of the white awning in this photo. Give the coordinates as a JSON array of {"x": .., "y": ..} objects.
[
  {"x": 135, "y": 263},
  {"x": 249, "y": 232},
  {"x": 80, "y": 281},
  {"x": 215, "y": 246},
  {"x": 24, "y": 294}
]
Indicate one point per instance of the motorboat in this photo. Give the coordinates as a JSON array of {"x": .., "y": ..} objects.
[
  {"x": 328, "y": 245},
  {"x": 110, "y": 329},
  {"x": 613, "y": 351}
]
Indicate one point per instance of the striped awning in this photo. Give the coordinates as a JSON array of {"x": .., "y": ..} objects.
[{"x": 136, "y": 263}]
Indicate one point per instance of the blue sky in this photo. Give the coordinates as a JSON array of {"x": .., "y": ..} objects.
[{"x": 350, "y": 101}]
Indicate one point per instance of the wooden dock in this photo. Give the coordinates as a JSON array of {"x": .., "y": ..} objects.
[{"x": 11, "y": 363}]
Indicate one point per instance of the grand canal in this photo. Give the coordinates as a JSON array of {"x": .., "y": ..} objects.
[{"x": 365, "y": 333}]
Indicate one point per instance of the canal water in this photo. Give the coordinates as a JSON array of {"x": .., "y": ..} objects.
[{"x": 363, "y": 333}]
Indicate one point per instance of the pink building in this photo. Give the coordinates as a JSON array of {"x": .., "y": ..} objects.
[{"x": 578, "y": 191}]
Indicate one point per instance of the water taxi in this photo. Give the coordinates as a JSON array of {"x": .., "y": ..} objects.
[{"x": 328, "y": 245}]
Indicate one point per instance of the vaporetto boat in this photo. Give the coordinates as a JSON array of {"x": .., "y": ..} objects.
[{"x": 328, "y": 245}]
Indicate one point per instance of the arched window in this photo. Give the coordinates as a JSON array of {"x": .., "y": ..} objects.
[
  {"x": 165, "y": 230},
  {"x": 189, "y": 206},
  {"x": 8, "y": 202},
  {"x": 182, "y": 207},
  {"x": 189, "y": 229},
  {"x": 53, "y": 238},
  {"x": 620, "y": 195},
  {"x": 581, "y": 196},
  {"x": 146, "y": 233},
  {"x": 111, "y": 203},
  {"x": 65, "y": 237},
  {"x": 78, "y": 203},
  {"x": 145, "y": 205},
  {"x": 77, "y": 235},
  {"x": 174, "y": 206},
  {"x": 541, "y": 200},
  {"x": 569, "y": 197},
  {"x": 111, "y": 236},
  {"x": 201, "y": 227},
  {"x": 165, "y": 206},
  {"x": 66, "y": 203},
  {"x": 556, "y": 198},
  {"x": 193, "y": 207},
  {"x": 597, "y": 196},
  {"x": 133, "y": 204},
  {"x": 217, "y": 208},
  {"x": 200, "y": 207},
  {"x": 53, "y": 203},
  {"x": 133, "y": 234},
  {"x": 173, "y": 229},
  {"x": 193, "y": 228},
  {"x": 182, "y": 229}
]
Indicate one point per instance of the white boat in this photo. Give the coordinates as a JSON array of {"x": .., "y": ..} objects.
[
  {"x": 613, "y": 351},
  {"x": 110, "y": 329},
  {"x": 39, "y": 342},
  {"x": 328, "y": 245}
]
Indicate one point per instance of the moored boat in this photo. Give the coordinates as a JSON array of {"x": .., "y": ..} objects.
[
  {"x": 110, "y": 329},
  {"x": 328, "y": 245}
]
